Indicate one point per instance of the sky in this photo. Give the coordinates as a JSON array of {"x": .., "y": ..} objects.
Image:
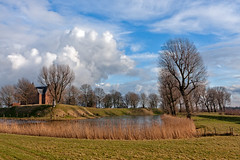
[{"x": 115, "y": 44}]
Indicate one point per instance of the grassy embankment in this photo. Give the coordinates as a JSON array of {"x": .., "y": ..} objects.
[{"x": 61, "y": 112}]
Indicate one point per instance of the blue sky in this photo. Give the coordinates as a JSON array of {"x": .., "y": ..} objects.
[{"x": 115, "y": 44}]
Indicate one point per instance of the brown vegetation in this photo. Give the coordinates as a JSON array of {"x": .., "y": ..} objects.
[
  {"x": 171, "y": 128},
  {"x": 232, "y": 111}
]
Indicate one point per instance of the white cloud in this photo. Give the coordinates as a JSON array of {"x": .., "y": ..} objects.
[
  {"x": 79, "y": 33},
  {"x": 121, "y": 10},
  {"x": 136, "y": 47},
  {"x": 107, "y": 36},
  {"x": 138, "y": 88},
  {"x": 202, "y": 17},
  {"x": 92, "y": 56},
  {"x": 49, "y": 58},
  {"x": 17, "y": 60},
  {"x": 144, "y": 56}
]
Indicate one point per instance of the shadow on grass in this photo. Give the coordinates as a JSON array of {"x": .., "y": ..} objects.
[
  {"x": 234, "y": 119},
  {"x": 110, "y": 113}
]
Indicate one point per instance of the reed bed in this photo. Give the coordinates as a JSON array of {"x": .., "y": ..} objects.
[{"x": 170, "y": 128}]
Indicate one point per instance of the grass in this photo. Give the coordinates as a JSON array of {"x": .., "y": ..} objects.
[
  {"x": 62, "y": 111},
  {"x": 29, "y": 147},
  {"x": 172, "y": 128},
  {"x": 213, "y": 122}
]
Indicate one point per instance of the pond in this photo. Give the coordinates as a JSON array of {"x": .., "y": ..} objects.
[{"x": 123, "y": 120}]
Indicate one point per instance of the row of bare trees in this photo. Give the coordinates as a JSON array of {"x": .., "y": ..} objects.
[
  {"x": 214, "y": 99},
  {"x": 86, "y": 96},
  {"x": 182, "y": 81}
]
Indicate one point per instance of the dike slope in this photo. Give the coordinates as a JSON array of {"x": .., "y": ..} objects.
[{"x": 62, "y": 111}]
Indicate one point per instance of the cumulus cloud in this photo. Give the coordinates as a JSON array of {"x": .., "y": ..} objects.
[
  {"x": 91, "y": 55},
  {"x": 17, "y": 60}
]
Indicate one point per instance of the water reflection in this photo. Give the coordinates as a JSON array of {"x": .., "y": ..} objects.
[
  {"x": 118, "y": 120},
  {"x": 16, "y": 121},
  {"x": 140, "y": 120}
]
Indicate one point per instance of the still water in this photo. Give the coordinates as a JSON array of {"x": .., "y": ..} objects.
[{"x": 123, "y": 120}]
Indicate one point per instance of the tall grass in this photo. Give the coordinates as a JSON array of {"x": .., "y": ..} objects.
[{"x": 170, "y": 128}]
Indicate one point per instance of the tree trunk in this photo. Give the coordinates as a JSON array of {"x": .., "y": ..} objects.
[
  {"x": 180, "y": 109},
  {"x": 185, "y": 99},
  {"x": 214, "y": 106},
  {"x": 197, "y": 108},
  {"x": 208, "y": 108}
]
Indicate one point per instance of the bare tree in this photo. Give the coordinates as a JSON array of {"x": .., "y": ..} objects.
[
  {"x": 133, "y": 99},
  {"x": 87, "y": 96},
  {"x": 205, "y": 99},
  {"x": 71, "y": 95},
  {"x": 143, "y": 99},
  {"x": 26, "y": 92},
  {"x": 181, "y": 58},
  {"x": 168, "y": 91},
  {"x": 117, "y": 99},
  {"x": 56, "y": 78},
  {"x": 196, "y": 96},
  {"x": 127, "y": 100},
  {"x": 212, "y": 99},
  {"x": 7, "y": 95},
  {"x": 153, "y": 100},
  {"x": 222, "y": 97},
  {"x": 107, "y": 101},
  {"x": 100, "y": 94}
]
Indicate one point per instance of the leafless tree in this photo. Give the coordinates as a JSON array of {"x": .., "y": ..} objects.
[
  {"x": 143, "y": 99},
  {"x": 222, "y": 97},
  {"x": 127, "y": 100},
  {"x": 196, "y": 96},
  {"x": 87, "y": 96},
  {"x": 153, "y": 100},
  {"x": 215, "y": 99},
  {"x": 205, "y": 99},
  {"x": 7, "y": 95},
  {"x": 71, "y": 95},
  {"x": 168, "y": 91},
  {"x": 117, "y": 99},
  {"x": 107, "y": 101},
  {"x": 100, "y": 94},
  {"x": 212, "y": 99},
  {"x": 25, "y": 92},
  {"x": 182, "y": 60},
  {"x": 133, "y": 99},
  {"x": 56, "y": 78}
]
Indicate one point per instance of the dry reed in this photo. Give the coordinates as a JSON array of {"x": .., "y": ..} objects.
[{"x": 171, "y": 128}]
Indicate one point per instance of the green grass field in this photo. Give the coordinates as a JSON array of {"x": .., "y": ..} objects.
[
  {"x": 28, "y": 147},
  {"x": 214, "y": 147},
  {"x": 219, "y": 123}
]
